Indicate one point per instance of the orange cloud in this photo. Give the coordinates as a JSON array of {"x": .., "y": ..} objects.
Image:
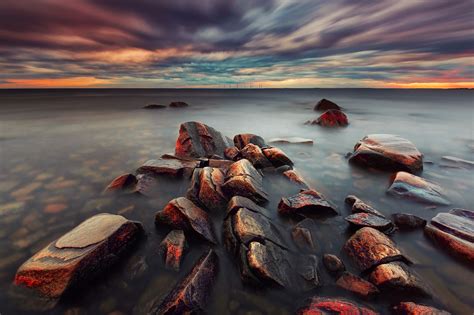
[
  {"x": 55, "y": 83},
  {"x": 431, "y": 85}
]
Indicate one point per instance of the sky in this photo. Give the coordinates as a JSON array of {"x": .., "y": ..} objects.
[{"x": 237, "y": 43}]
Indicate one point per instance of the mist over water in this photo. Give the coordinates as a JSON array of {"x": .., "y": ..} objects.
[{"x": 65, "y": 146}]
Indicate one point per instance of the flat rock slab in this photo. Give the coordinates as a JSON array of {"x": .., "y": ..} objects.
[
  {"x": 359, "y": 206},
  {"x": 369, "y": 247},
  {"x": 255, "y": 155},
  {"x": 406, "y": 221},
  {"x": 199, "y": 140},
  {"x": 357, "y": 285},
  {"x": 183, "y": 214},
  {"x": 292, "y": 140},
  {"x": 241, "y": 140},
  {"x": 387, "y": 152},
  {"x": 410, "y": 308},
  {"x": 277, "y": 157},
  {"x": 412, "y": 187},
  {"x": 454, "y": 232},
  {"x": 123, "y": 183},
  {"x": 206, "y": 188},
  {"x": 79, "y": 255},
  {"x": 306, "y": 202},
  {"x": 244, "y": 180},
  {"x": 334, "y": 306},
  {"x": 363, "y": 219},
  {"x": 172, "y": 249},
  {"x": 332, "y": 118},
  {"x": 191, "y": 295},
  {"x": 168, "y": 167}
]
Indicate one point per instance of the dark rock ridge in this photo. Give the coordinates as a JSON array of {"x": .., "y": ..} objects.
[
  {"x": 242, "y": 179},
  {"x": 292, "y": 140},
  {"x": 412, "y": 187},
  {"x": 387, "y": 152},
  {"x": 325, "y": 104},
  {"x": 122, "y": 183},
  {"x": 410, "y": 308},
  {"x": 154, "y": 106},
  {"x": 331, "y": 118},
  {"x": 178, "y": 104},
  {"x": 172, "y": 249},
  {"x": 306, "y": 202},
  {"x": 241, "y": 140},
  {"x": 206, "y": 188},
  {"x": 406, "y": 221},
  {"x": 79, "y": 255},
  {"x": 334, "y": 306}
]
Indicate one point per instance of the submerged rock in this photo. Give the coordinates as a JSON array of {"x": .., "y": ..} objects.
[
  {"x": 277, "y": 157},
  {"x": 387, "y": 152},
  {"x": 333, "y": 264},
  {"x": 190, "y": 296},
  {"x": 408, "y": 221},
  {"x": 147, "y": 185},
  {"x": 125, "y": 182},
  {"x": 362, "y": 219},
  {"x": 255, "y": 155},
  {"x": 168, "y": 167},
  {"x": 292, "y": 140},
  {"x": 232, "y": 153},
  {"x": 406, "y": 185},
  {"x": 325, "y": 104},
  {"x": 454, "y": 232},
  {"x": 199, "y": 140},
  {"x": 301, "y": 235},
  {"x": 154, "y": 106},
  {"x": 244, "y": 180},
  {"x": 306, "y": 202},
  {"x": 358, "y": 206},
  {"x": 178, "y": 104},
  {"x": 241, "y": 140},
  {"x": 172, "y": 249},
  {"x": 357, "y": 285},
  {"x": 295, "y": 177},
  {"x": 182, "y": 214},
  {"x": 334, "y": 306},
  {"x": 206, "y": 188},
  {"x": 77, "y": 256},
  {"x": 410, "y": 308},
  {"x": 331, "y": 118},
  {"x": 457, "y": 162}
]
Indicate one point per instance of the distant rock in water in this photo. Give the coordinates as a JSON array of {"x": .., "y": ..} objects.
[
  {"x": 331, "y": 118},
  {"x": 178, "y": 104},
  {"x": 451, "y": 161},
  {"x": 325, "y": 104},
  {"x": 292, "y": 140},
  {"x": 387, "y": 152},
  {"x": 154, "y": 106}
]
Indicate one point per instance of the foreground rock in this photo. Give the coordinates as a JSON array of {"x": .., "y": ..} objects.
[
  {"x": 255, "y": 155},
  {"x": 307, "y": 202},
  {"x": 79, "y": 255},
  {"x": 358, "y": 206},
  {"x": 122, "y": 183},
  {"x": 332, "y": 118},
  {"x": 241, "y": 140},
  {"x": 325, "y": 104},
  {"x": 206, "y": 188},
  {"x": 242, "y": 179},
  {"x": 357, "y": 285},
  {"x": 277, "y": 157},
  {"x": 172, "y": 249},
  {"x": 292, "y": 140},
  {"x": 178, "y": 104},
  {"x": 154, "y": 106},
  {"x": 454, "y": 232},
  {"x": 370, "y": 220},
  {"x": 334, "y": 306},
  {"x": 199, "y": 140},
  {"x": 182, "y": 214},
  {"x": 410, "y": 308},
  {"x": 369, "y": 247},
  {"x": 168, "y": 167},
  {"x": 387, "y": 152},
  {"x": 406, "y": 185},
  {"x": 406, "y": 221},
  {"x": 190, "y": 296},
  {"x": 333, "y": 264}
]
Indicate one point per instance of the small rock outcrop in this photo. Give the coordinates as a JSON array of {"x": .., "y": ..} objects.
[
  {"x": 406, "y": 221},
  {"x": 307, "y": 202},
  {"x": 198, "y": 140},
  {"x": 358, "y": 206},
  {"x": 292, "y": 140},
  {"x": 325, "y": 104},
  {"x": 178, "y": 104}
]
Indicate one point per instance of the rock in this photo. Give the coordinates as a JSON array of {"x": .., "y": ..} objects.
[
  {"x": 295, "y": 177},
  {"x": 454, "y": 232},
  {"x": 172, "y": 249},
  {"x": 254, "y": 154},
  {"x": 154, "y": 106},
  {"x": 244, "y": 180},
  {"x": 369, "y": 247},
  {"x": 331, "y": 118},
  {"x": 407, "y": 221},
  {"x": 277, "y": 157},
  {"x": 178, "y": 104},
  {"x": 80, "y": 254},
  {"x": 334, "y": 306},
  {"x": 123, "y": 183},
  {"x": 199, "y": 140},
  {"x": 54, "y": 208},
  {"x": 136, "y": 268},
  {"x": 387, "y": 152},
  {"x": 397, "y": 277},
  {"x": 325, "y": 104},
  {"x": 359, "y": 206},
  {"x": 206, "y": 188},
  {"x": 223, "y": 165},
  {"x": 301, "y": 235},
  {"x": 306, "y": 202},
  {"x": 232, "y": 153},
  {"x": 410, "y": 308},
  {"x": 168, "y": 167},
  {"x": 406, "y": 185},
  {"x": 457, "y": 162},
  {"x": 292, "y": 140},
  {"x": 367, "y": 219},
  {"x": 333, "y": 264},
  {"x": 147, "y": 185},
  {"x": 182, "y": 214},
  {"x": 241, "y": 140},
  {"x": 357, "y": 285},
  {"x": 237, "y": 202},
  {"x": 190, "y": 296}
]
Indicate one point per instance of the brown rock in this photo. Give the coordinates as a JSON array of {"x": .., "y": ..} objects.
[
  {"x": 55, "y": 208},
  {"x": 410, "y": 308},
  {"x": 168, "y": 167},
  {"x": 172, "y": 249},
  {"x": 295, "y": 177},
  {"x": 334, "y": 306},
  {"x": 125, "y": 182},
  {"x": 362, "y": 219},
  {"x": 325, "y": 104},
  {"x": 305, "y": 202},
  {"x": 277, "y": 157},
  {"x": 232, "y": 153},
  {"x": 408, "y": 221},
  {"x": 241, "y": 140},
  {"x": 178, "y": 104},
  {"x": 237, "y": 202},
  {"x": 147, "y": 184},
  {"x": 254, "y": 154},
  {"x": 357, "y": 285},
  {"x": 301, "y": 235},
  {"x": 244, "y": 180},
  {"x": 331, "y": 118},
  {"x": 360, "y": 206},
  {"x": 333, "y": 264},
  {"x": 206, "y": 188},
  {"x": 79, "y": 255}
]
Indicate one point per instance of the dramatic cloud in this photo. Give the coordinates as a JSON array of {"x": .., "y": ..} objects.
[{"x": 212, "y": 43}]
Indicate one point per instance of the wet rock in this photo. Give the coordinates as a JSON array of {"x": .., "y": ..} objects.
[
  {"x": 232, "y": 153},
  {"x": 369, "y": 247},
  {"x": 54, "y": 208},
  {"x": 407, "y": 221},
  {"x": 147, "y": 185},
  {"x": 363, "y": 219},
  {"x": 277, "y": 157},
  {"x": 387, "y": 152},
  {"x": 206, "y": 188},
  {"x": 357, "y": 285},
  {"x": 136, "y": 268},
  {"x": 190, "y": 296},
  {"x": 325, "y": 104},
  {"x": 295, "y": 177},
  {"x": 292, "y": 140},
  {"x": 243, "y": 179},
  {"x": 241, "y": 140},
  {"x": 25, "y": 190},
  {"x": 80, "y": 254},
  {"x": 154, "y": 106},
  {"x": 454, "y": 232},
  {"x": 301, "y": 235},
  {"x": 178, "y": 104},
  {"x": 254, "y": 154},
  {"x": 457, "y": 162},
  {"x": 397, "y": 277},
  {"x": 331, "y": 118},
  {"x": 223, "y": 165},
  {"x": 306, "y": 202},
  {"x": 126, "y": 183},
  {"x": 182, "y": 214},
  {"x": 410, "y": 308},
  {"x": 406, "y": 185},
  {"x": 172, "y": 249},
  {"x": 199, "y": 140},
  {"x": 237, "y": 202},
  {"x": 335, "y": 306},
  {"x": 333, "y": 264},
  {"x": 168, "y": 167},
  {"x": 358, "y": 206}
]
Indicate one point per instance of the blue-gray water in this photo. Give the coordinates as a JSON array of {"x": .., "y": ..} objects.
[{"x": 66, "y": 145}]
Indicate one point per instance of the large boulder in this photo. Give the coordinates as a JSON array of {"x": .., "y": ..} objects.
[
  {"x": 412, "y": 187},
  {"x": 168, "y": 167},
  {"x": 242, "y": 179},
  {"x": 241, "y": 140},
  {"x": 410, "y": 308},
  {"x": 84, "y": 252},
  {"x": 454, "y": 232},
  {"x": 387, "y": 152},
  {"x": 306, "y": 202},
  {"x": 199, "y": 140},
  {"x": 334, "y": 306},
  {"x": 325, "y": 104},
  {"x": 206, "y": 188},
  {"x": 331, "y": 118}
]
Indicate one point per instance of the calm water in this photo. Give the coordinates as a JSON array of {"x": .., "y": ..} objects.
[{"x": 64, "y": 146}]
